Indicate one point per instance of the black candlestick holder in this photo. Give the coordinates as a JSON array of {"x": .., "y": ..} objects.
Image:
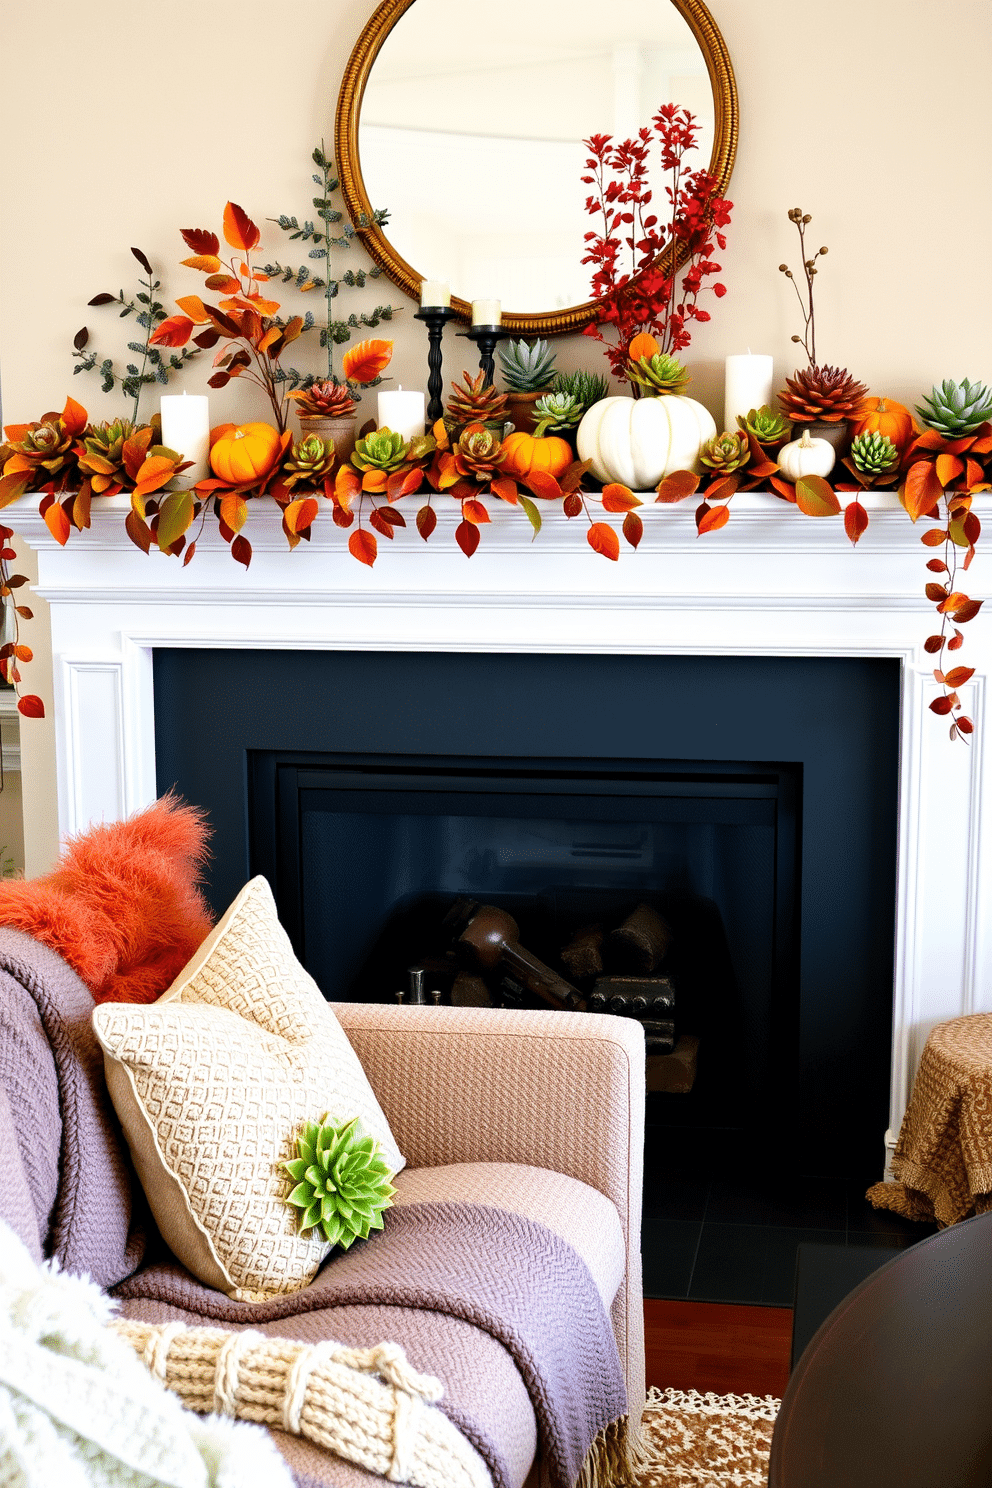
[
  {"x": 436, "y": 317},
  {"x": 486, "y": 337}
]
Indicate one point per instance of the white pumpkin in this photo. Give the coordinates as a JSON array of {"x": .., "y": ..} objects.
[
  {"x": 806, "y": 457},
  {"x": 638, "y": 441}
]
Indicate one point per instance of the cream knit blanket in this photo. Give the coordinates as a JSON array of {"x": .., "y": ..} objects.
[{"x": 368, "y": 1406}]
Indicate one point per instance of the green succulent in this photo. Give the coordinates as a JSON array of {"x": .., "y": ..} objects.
[
  {"x": 874, "y": 454},
  {"x": 380, "y": 450},
  {"x": 557, "y": 411},
  {"x": 660, "y": 373},
  {"x": 342, "y": 1181},
  {"x": 725, "y": 453},
  {"x": 767, "y": 426},
  {"x": 955, "y": 408},
  {"x": 309, "y": 461},
  {"x": 586, "y": 387},
  {"x": 526, "y": 365}
]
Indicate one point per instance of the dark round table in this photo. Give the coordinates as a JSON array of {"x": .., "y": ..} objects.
[{"x": 895, "y": 1390}]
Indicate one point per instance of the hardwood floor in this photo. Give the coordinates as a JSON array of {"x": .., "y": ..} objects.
[{"x": 717, "y": 1346}]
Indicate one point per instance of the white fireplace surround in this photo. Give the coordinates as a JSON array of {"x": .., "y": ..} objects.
[{"x": 771, "y": 583}]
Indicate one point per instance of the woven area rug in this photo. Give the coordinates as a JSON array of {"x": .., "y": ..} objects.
[{"x": 707, "y": 1441}]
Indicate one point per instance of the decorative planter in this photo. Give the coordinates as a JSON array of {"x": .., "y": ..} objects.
[{"x": 343, "y": 431}]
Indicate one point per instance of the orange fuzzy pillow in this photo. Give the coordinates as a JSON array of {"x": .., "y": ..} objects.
[{"x": 122, "y": 904}]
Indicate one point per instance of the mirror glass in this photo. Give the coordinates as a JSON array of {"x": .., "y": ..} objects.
[{"x": 471, "y": 127}]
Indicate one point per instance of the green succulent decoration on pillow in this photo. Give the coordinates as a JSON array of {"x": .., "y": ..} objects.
[{"x": 342, "y": 1181}]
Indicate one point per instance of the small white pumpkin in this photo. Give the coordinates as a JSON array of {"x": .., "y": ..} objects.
[
  {"x": 806, "y": 457},
  {"x": 638, "y": 441}
]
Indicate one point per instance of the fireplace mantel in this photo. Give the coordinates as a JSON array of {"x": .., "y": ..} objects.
[{"x": 771, "y": 583}]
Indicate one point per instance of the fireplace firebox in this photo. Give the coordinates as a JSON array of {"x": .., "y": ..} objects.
[{"x": 751, "y": 801}]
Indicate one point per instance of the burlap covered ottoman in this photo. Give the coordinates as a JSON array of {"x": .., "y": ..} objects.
[{"x": 943, "y": 1159}]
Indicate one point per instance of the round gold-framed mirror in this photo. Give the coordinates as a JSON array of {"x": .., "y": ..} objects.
[{"x": 418, "y": 100}]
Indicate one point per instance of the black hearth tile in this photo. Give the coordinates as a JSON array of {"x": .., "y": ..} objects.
[
  {"x": 730, "y": 1263},
  {"x": 668, "y": 1251},
  {"x": 784, "y": 1201},
  {"x": 778, "y": 1279},
  {"x": 672, "y": 1195},
  {"x": 887, "y": 1239},
  {"x": 687, "y": 1150},
  {"x": 864, "y": 1219}
]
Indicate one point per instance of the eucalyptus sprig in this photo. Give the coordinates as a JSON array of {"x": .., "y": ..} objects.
[
  {"x": 336, "y": 233},
  {"x": 149, "y": 313},
  {"x": 808, "y": 339}
]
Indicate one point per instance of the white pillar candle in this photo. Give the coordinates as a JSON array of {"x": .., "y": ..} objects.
[
  {"x": 748, "y": 383},
  {"x": 435, "y": 292},
  {"x": 403, "y": 412},
  {"x": 486, "y": 313},
  {"x": 186, "y": 429}
]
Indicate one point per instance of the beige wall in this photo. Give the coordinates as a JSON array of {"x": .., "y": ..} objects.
[{"x": 125, "y": 120}]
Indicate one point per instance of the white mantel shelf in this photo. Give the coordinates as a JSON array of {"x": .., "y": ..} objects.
[{"x": 772, "y": 582}]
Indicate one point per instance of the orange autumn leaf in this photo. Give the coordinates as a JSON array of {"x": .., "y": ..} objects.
[
  {"x": 366, "y": 361},
  {"x": 57, "y": 523},
  {"x": 677, "y": 486},
  {"x": 31, "y": 706},
  {"x": 207, "y": 263},
  {"x": 194, "y": 307},
  {"x": 156, "y": 471},
  {"x": 299, "y": 515},
  {"x": 815, "y": 498},
  {"x": 855, "y": 521},
  {"x": 233, "y": 511},
  {"x": 363, "y": 546},
  {"x": 711, "y": 518},
  {"x": 618, "y": 498},
  {"x": 922, "y": 490},
  {"x": 948, "y": 468},
  {"x": 602, "y": 539},
  {"x": 175, "y": 331},
  {"x": 239, "y": 230},
  {"x": 74, "y": 417}
]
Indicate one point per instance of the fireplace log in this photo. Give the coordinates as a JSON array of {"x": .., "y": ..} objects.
[
  {"x": 583, "y": 956},
  {"x": 640, "y": 944},
  {"x": 490, "y": 942}
]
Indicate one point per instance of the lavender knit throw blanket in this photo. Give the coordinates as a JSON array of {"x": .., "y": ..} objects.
[{"x": 507, "y": 1275}]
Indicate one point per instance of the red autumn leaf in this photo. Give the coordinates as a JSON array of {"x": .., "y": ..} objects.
[
  {"x": 855, "y": 520},
  {"x": 934, "y": 537},
  {"x": 618, "y": 498},
  {"x": 31, "y": 706},
  {"x": 711, "y": 518},
  {"x": 377, "y": 520},
  {"x": 572, "y": 505},
  {"x": 941, "y": 705},
  {"x": 391, "y": 517},
  {"x": 403, "y": 483},
  {"x": 958, "y": 676},
  {"x": 200, "y": 240},
  {"x": 965, "y": 724},
  {"x": 783, "y": 488},
  {"x": 956, "y": 641},
  {"x": 967, "y": 611},
  {"x": 57, "y": 523},
  {"x": 922, "y": 490},
  {"x": 677, "y": 486},
  {"x": 544, "y": 485},
  {"x": 937, "y": 565},
  {"x": 633, "y": 528},
  {"x": 602, "y": 539},
  {"x": 175, "y": 331},
  {"x": 938, "y": 675},
  {"x": 474, "y": 511},
  {"x": 972, "y": 527},
  {"x": 504, "y": 489},
  {"x": 241, "y": 550},
  {"x": 936, "y": 592},
  {"x": 366, "y": 361},
  {"x": 467, "y": 538},
  {"x": 426, "y": 521},
  {"x": 189, "y": 553},
  {"x": 815, "y": 498},
  {"x": 24, "y": 612},
  {"x": 340, "y": 517},
  {"x": 723, "y": 489},
  {"x": 933, "y": 644},
  {"x": 239, "y": 230},
  {"x": 951, "y": 601}
]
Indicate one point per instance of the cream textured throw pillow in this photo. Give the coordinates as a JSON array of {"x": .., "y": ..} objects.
[{"x": 212, "y": 1084}]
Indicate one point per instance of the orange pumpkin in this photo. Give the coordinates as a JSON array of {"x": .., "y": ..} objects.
[
  {"x": 884, "y": 416},
  {"x": 244, "y": 453},
  {"x": 524, "y": 453}
]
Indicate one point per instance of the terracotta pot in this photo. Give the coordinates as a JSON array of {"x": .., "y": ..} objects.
[
  {"x": 343, "y": 431},
  {"x": 838, "y": 435},
  {"x": 520, "y": 410}
]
